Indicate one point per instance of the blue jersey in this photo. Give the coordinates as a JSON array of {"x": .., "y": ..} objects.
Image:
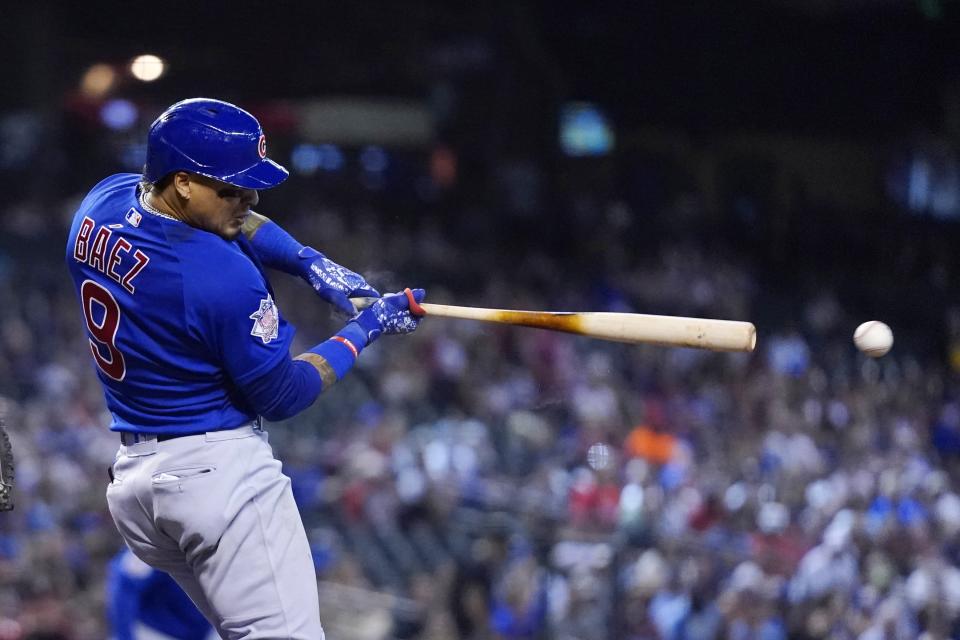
[
  {"x": 180, "y": 321},
  {"x": 138, "y": 593}
]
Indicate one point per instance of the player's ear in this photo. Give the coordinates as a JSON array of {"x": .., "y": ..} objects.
[{"x": 181, "y": 182}]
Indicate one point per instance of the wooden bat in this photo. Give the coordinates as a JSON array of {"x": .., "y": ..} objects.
[{"x": 633, "y": 328}]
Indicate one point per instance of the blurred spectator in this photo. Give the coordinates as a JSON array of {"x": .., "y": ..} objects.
[
  {"x": 511, "y": 483},
  {"x": 146, "y": 604}
]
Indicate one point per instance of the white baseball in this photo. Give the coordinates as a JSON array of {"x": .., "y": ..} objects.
[
  {"x": 598, "y": 456},
  {"x": 873, "y": 338}
]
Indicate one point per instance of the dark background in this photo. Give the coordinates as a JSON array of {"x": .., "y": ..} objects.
[{"x": 847, "y": 68}]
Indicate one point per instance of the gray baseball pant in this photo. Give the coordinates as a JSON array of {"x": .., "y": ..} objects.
[{"x": 215, "y": 511}]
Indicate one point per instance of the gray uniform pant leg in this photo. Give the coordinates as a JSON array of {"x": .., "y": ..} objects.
[
  {"x": 143, "y": 632},
  {"x": 216, "y": 512}
]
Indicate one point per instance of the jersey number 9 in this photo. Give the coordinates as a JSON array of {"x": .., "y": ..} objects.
[{"x": 104, "y": 350}]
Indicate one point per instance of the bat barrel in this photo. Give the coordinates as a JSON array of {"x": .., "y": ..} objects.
[{"x": 672, "y": 331}]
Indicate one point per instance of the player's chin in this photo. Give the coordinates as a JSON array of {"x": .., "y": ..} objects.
[{"x": 231, "y": 230}]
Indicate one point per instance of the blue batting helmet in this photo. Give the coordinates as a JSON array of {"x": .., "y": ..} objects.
[{"x": 215, "y": 139}]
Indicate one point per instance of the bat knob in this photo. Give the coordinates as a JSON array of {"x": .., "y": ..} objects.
[{"x": 415, "y": 307}]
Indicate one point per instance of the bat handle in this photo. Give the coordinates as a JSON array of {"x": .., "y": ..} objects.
[{"x": 362, "y": 303}]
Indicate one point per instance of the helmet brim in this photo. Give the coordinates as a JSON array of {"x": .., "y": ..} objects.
[{"x": 263, "y": 175}]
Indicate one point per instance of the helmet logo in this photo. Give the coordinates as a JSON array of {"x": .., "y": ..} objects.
[{"x": 262, "y": 146}]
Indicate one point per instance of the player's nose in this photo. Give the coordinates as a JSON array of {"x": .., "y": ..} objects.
[{"x": 250, "y": 197}]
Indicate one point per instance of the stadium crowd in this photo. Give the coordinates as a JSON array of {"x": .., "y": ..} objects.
[{"x": 479, "y": 483}]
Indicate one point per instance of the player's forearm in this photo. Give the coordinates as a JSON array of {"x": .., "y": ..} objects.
[
  {"x": 279, "y": 250},
  {"x": 274, "y": 247},
  {"x": 251, "y": 225},
  {"x": 295, "y": 384},
  {"x": 333, "y": 358}
]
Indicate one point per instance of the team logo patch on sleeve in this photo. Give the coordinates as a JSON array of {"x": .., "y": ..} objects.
[{"x": 266, "y": 321}]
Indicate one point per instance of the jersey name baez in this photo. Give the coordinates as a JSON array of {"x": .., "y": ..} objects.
[{"x": 178, "y": 319}]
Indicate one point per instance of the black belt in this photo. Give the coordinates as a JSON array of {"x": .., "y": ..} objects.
[{"x": 127, "y": 438}]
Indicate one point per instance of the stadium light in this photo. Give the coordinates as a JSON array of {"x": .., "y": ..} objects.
[
  {"x": 97, "y": 80},
  {"x": 147, "y": 67},
  {"x": 119, "y": 114}
]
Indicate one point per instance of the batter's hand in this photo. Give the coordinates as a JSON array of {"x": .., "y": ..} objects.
[
  {"x": 390, "y": 315},
  {"x": 334, "y": 283}
]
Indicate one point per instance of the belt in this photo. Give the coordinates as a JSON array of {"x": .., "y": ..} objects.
[{"x": 127, "y": 438}]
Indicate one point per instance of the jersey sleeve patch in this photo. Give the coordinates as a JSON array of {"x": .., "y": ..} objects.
[{"x": 266, "y": 321}]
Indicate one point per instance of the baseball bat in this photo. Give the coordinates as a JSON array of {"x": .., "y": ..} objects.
[{"x": 633, "y": 328}]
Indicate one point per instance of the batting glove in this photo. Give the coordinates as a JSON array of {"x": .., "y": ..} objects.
[
  {"x": 333, "y": 283},
  {"x": 390, "y": 315}
]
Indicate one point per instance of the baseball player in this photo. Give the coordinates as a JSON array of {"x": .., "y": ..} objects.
[
  {"x": 192, "y": 350},
  {"x": 146, "y": 604}
]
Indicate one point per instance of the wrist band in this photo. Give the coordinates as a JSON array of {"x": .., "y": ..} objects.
[{"x": 349, "y": 344}]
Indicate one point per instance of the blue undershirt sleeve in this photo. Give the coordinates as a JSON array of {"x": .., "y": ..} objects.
[{"x": 276, "y": 248}]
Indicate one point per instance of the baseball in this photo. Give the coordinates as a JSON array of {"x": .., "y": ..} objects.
[
  {"x": 873, "y": 338},
  {"x": 598, "y": 456}
]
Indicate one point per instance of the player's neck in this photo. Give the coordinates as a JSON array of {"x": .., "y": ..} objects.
[{"x": 163, "y": 205}]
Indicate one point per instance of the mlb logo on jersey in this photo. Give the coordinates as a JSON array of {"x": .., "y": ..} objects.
[
  {"x": 133, "y": 217},
  {"x": 266, "y": 321}
]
